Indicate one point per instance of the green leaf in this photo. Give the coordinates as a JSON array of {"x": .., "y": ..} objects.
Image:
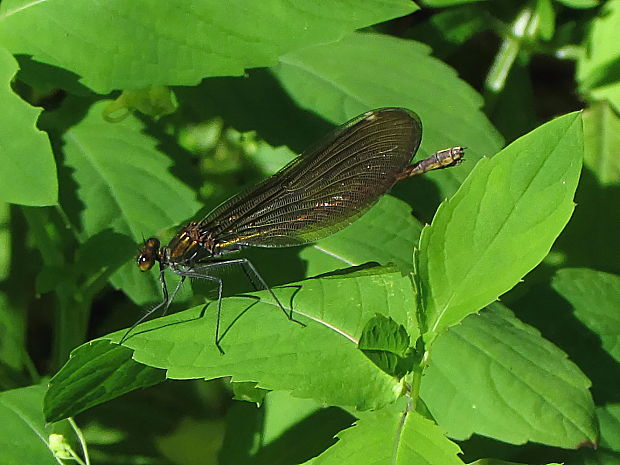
[
  {"x": 598, "y": 69},
  {"x": 609, "y": 419},
  {"x": 194, "y": 441},
  {"x": 545, "y": 14},
  {"x": 28, "y": 175},
  {"x": 392, "y": 435},
  {"x": 248, "y": 392},
  {"x": 255, "y": 103},
  {"x": 579, "y": 3},
  {"x": 60, "y": 447},
  {"x": 496, "y": 376},
  {"x": 285, "y": 430},
  {"x": 601, "y": 130},
  {"x": 262, "y": 345},
  {"x": 598, "y": 457},
  {"x": 282, "y": 412},
  {"x": 116, "y": 166},
  {"x": 320, "y": 78},
  {"x": 96, "y": 372},
  {"x": 270, "y": 159},
  {"x": 120, "y": 45},
  {"x": 386, "y": 343},
  {"x": 125, "y": 184},
  {"x": 501, "y": 223},
  {"x": 244, "y": 423},
  {"x": 155, "y": 101},
  {"x": 383, "y": 333},
  {"x": 23, "y": 433},
  {"x": 594, "y": 226},
  {"x": 13, "y": 355},
  {"x": 455, "y": 25},
  {"x": 493, "y": 462},
  {"x": 445, "y": 3},
  {"x": 499, "y": 462},
  {"x": 595, "y": 297}
]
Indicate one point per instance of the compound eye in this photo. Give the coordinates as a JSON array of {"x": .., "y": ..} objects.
[
  {"x": 151, "y": 243},
  {"x": 149, "y": 254},
  {"x": 146, "y": 261}
]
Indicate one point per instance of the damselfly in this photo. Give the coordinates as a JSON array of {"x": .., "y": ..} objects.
[{"x": 320, "y": 192}]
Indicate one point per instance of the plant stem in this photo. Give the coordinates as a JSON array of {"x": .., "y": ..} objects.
[
  {"x": 80, "y": 436},
  {"x": 522, "y": 29}
]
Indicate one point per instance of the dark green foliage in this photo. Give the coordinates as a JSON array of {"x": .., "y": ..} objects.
[{"x": 122, "y": 120}]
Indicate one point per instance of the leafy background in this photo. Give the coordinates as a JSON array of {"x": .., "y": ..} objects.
[{"x": 123, "y": 119}]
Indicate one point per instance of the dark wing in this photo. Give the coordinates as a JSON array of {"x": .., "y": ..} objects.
[{"x": 323, "y": 190}]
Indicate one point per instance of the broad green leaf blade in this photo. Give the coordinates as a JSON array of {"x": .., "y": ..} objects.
[
  {"x": 608, "y": 452},
  {"x": 13, "y": 354},
  {"x": 290, "y": 421},
  {"x": 122, "y": 178},
  {"x": 496, "y": 376},
  {"x": 282, "y": 412},
  {"x": 95, "y": 373},
  {"x": 609, "y": 419},
  {"x": 598, "y": 457},
  {"x": 501, "y": 223},
  {"x": 155, "y": 101},
  {"x": 263, "y": 346},
  {"x": 580, "y": 3},
  {"x": 601, "y": 130},
  {"x": 500, "y": 462},
  {"x": 382, "y": 333},
  {"x": 597, "y": 67},
  {"x": 145, "y": 43},
  {"x": 248, "y": 392},
  {"x": 445, "y": 3},
  {"x": 595, "y": 297},
  {"x": 392, "y": 435},
  {"x": 28, "y": 175},
  {"x": 23, "y": 433},
  {"x": 386, "y": 343},
  {"x": 125, "y": 185},
  {"x": 594, "y": 225},
  {"x": 286, "y": 430},
  {"x": 240, "y": 103},
  {"x": 243, "y": 432},
  {"x": 451, "y": 26},
  {"x": 393, "y": 72}
]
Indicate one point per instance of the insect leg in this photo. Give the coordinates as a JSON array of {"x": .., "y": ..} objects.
[
  {"x": 174, "y": 294},
  {"x": 247, "y": 265},
  {"x": 220, "y": 287},
  {"x": 164, "y": 303},
  {"x": 249, "y": 270},
  {"x": 250, "y": 278}
]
